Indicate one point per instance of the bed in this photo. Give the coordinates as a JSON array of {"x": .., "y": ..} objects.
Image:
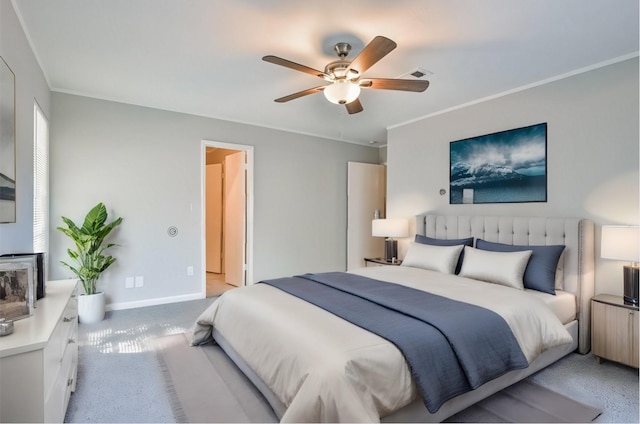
[{"x": 313, "y": 366}]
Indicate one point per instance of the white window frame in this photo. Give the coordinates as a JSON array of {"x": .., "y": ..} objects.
[{"x": 40, "y": 181}]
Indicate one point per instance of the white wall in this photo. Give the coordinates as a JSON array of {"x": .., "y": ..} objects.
[
  {"x": 592, "y": 154},
  {"x": 30, "y": 86},
  {"x": 144, "y": 164}
]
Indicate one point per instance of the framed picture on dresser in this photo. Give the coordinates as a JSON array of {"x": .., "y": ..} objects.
[
  {"x": 17, "y": 287},
  {"x": 39, "y": 272}
]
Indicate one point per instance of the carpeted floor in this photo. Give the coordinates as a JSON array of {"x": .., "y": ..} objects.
[{"x": 120, "y": 380}]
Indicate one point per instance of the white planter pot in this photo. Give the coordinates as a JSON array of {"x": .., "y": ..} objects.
[{"x": 91, "y": 308}]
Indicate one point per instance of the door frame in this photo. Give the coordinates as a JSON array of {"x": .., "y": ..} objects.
[
  {"x": 249, "y": 208},
  {"x": 366, "y": 192}
]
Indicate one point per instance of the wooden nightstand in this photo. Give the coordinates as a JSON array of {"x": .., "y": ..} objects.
[
  {"x": 379, "y": 262},
  {"x": 614, "y": 329}
]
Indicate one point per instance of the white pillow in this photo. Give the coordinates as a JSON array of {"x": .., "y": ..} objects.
[
  {"x": 436, "y": 258},
  {"x": 505, "y": 268}
]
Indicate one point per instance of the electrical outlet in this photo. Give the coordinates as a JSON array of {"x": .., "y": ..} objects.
[
  {"x": 189, "y": 271},
  {"x": 139, "y": 281},
  {"x": 128, "y": 282}
]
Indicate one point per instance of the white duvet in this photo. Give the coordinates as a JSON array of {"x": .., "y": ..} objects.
[{"x": 325, "y": 369}]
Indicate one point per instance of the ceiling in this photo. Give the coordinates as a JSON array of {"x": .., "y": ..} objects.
[{"x": 203, "y": 57}]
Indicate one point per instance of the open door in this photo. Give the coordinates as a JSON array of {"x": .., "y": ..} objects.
[
  {"x": 213, "y": 214},
  {"x": 235, "y": 218}
]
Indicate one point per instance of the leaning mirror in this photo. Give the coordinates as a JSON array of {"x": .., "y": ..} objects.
[{"x": 7, "y": 144}]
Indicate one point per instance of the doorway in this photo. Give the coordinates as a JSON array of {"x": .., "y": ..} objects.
[
  {"x": 366, "y": 193},
  {"x": 227, "y": 216}
]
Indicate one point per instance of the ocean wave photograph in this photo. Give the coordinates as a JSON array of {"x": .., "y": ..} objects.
[{"x": 504, "y": 167}]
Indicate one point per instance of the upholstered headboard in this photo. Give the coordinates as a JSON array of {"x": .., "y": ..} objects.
[{"x": 578, "y": 235}]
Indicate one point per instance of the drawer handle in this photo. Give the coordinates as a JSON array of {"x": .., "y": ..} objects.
[
  {"x": 71, "y": 341},
  {"x": 68, "y": 319},
  {"x": 69, "y": 382}
]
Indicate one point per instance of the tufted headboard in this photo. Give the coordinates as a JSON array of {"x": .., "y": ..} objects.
[{"x": 578, "y": 235}]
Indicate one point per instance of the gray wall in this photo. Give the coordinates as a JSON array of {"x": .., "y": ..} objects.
[
  {"x": 592, "y": 154},
  {"x": 30, "y": 86},
  {"x": 145, "y": 165}
]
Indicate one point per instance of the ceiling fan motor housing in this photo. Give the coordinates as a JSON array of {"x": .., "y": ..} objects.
[{"x": 338, "y": 69}]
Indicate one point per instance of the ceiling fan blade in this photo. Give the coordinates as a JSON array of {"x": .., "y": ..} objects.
[
  {"x": 295, "y": 66},
  {"x": 378, "y": 48},
  {"x": 300, "y": 94},
  {"x": 394, "y": 84},
  {"x": 354, "y": 107}
]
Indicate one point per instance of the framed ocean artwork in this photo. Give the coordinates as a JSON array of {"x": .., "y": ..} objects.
[{"x": 503, "y": 167}]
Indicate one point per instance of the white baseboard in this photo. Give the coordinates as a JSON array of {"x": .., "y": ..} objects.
[{"x": 153, "y": 302}]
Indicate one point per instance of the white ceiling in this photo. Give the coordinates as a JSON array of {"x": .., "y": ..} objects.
[{"x": 203, "y": 57}]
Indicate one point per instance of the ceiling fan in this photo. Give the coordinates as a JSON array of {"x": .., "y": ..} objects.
[{"x": 345, "y": 76}]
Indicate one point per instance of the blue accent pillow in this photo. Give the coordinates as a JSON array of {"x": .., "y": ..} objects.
[
  {"x": 444, "y": 242},
  {"x": 540, "y": 273}
]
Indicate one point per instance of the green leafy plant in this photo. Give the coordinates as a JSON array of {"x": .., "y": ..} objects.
[{"x": 89, "y": 258}]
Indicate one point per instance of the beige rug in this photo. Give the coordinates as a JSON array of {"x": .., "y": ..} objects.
[
  {"x": 205, "y": 386},
  {"x": 526, "y": 402}
]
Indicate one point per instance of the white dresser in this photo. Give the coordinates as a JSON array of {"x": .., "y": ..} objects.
[{"x": 39, "y": 361}]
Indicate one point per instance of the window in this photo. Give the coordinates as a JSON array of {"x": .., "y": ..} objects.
[{"x": 40, "y": 181}]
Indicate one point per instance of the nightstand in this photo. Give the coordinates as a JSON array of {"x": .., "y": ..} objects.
[
  {"x": 379, "y": 262},
  {"x": 614, "y": 329}
]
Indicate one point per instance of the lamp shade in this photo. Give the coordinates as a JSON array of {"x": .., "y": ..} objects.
[
  {"x": 620, "y": 242},
  {"x": 396, "y": 227},
  {"x": 341, "y": 92}
]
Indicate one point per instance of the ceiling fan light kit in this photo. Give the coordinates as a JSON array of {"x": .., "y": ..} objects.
[
  {"x": 344, "y": 76},
  {"x": 342, "y": 92}
]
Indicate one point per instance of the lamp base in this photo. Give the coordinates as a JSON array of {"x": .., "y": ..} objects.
[
  {"x": 631, "y": 274},
  {"x": 390, "y": 250}
]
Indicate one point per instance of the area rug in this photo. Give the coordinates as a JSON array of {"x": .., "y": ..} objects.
[
  {"x": 526, "y": 402},
  {"x": 204, "y": 385}
]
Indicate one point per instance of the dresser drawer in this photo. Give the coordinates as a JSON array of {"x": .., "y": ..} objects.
[
  {"x": 56, "y": 401},
  {"x": 69, "y": 325},
  {"x": 64, "y": 335}
]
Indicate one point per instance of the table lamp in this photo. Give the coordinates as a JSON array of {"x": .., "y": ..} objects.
[
  {"x": 623, "y": 243},
  {"x": 390, "y": 228}
]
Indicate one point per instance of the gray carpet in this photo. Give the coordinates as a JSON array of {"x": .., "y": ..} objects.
[{"x": 120, "y": 379}]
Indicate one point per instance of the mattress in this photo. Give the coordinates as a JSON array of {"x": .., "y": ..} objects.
[{"x": 563, "y": 304}]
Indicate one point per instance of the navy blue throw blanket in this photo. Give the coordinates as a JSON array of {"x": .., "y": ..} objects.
[{"x": 451, "y": 347}]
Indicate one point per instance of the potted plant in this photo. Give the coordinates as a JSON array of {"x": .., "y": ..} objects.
[{"x": 89, "y": 260}]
